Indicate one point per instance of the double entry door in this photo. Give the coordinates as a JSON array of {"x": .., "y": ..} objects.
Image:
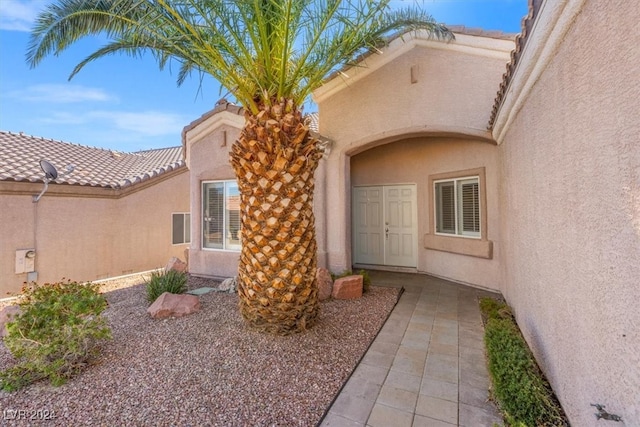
[{"x": 385, "y": 228}]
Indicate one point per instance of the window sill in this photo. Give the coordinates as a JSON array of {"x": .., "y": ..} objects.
[{"x": 459, "y": 245}]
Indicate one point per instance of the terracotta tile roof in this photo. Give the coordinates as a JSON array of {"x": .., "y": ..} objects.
[
  {"x": 20, "y": 157},
  {"x": 521, "y": 40}
]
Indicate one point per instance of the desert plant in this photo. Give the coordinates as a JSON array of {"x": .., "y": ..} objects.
[
  {"x": 171, "y": 281},
  {"x": 366, "y": 279},
  {"x": 519, "y": 386},
  {"x": 56, "y": 334}
]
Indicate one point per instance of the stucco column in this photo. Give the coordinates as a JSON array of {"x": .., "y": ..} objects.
[
  {"x": 320, "y": 212},
  {"x": 337, "y": 211}
]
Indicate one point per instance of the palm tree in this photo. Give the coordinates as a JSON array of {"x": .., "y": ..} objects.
[{"x": 270, "y": 55}]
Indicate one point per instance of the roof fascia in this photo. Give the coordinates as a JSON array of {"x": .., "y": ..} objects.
[
  {"x": 547, "y": 34},
  {"x": 28, "y": 188},
  {"x": 463, "y": 43}
]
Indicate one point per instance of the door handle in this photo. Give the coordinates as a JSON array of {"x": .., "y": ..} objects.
[{"x": 386, "y": 232}]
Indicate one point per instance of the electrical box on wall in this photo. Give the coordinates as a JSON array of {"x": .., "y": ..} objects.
[{"x": 25, "y": 261}]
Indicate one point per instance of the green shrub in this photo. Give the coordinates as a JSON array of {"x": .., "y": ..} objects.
[
  {"x": 519, "y": 386},
  {"x": 56, "y": 334},
  {"x": 494, "y": 309},
  {"x": 171, "y": 281},
  {"x": 366, "y": 280}
]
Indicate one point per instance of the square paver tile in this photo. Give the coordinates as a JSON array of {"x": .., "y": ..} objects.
[
  {"x": 417, "y": 335},
  {"x": 373, "y": 374},
  {"x": 352, "y": 407},
  {"x": 384, "y": 347},
  {"x": 408, "y": 365},
  {"x": 448, "y": 349},
  {"x": 440, "y": 389},
  {"x": 374, "y": 358},
  {"x": 412, "y": 353},
  {"x": 397, "y": 398},
  {"x": 421, "y": 421},
  {"x": 471, "y": 416},
  {"x": 417, "y": 326},
  {"x": 389, "y": 337},
  {"x": 385, "y": 416},
  {"x": 473, "y": 396},
  {"x": 362, "y": 387},
  {"x": 439, "y": 409},
  {"x": 403, "y": 381},
  {"x": 421, "y": 344},
  {"x": 334, "y": 420},
  {"x": 441, "y": 337},
  {"x": 474, "y": 376}
]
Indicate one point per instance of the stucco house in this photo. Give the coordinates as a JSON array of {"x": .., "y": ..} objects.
[
  {"x": 114, "y": 214},
  {"x": 526, "y": 182}
]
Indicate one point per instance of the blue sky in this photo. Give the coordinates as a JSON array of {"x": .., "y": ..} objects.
[{"x": 127, "y": 104}]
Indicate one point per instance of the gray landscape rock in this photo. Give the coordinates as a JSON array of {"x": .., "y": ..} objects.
[{"x": 229, "y": 285}]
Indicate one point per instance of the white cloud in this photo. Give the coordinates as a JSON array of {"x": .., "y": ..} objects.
[
  {"x": 61, "y": 93},
  {"x": 19, "y": 15},
  {"x": 142, "y": 124},
  {"x": 146, "y": 123}
]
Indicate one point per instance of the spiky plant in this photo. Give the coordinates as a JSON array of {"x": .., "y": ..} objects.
[{"x": 270, "y": 54}]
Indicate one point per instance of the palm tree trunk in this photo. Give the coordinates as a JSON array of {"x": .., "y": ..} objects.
[{"x": 274, "y": 160}]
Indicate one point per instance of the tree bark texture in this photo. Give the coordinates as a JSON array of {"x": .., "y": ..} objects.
[{"x": 274, "y": 160}]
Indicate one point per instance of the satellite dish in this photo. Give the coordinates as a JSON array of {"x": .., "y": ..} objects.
[
  {"x": 49, "y": 170},
  {"x": 50, "y": 174}
]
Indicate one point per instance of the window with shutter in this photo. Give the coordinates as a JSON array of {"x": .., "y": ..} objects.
[
  {"x": 221, "y": 215},
  {"x": 457, "y": 206},
  {"x": 445, "y": 207},
  {"x": 469, "y": 207}
]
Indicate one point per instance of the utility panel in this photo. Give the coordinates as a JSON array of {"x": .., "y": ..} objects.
[{"x": 25, "y": 261}]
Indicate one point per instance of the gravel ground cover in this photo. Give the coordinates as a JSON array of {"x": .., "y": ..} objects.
[{"x": 206, "y": 369}]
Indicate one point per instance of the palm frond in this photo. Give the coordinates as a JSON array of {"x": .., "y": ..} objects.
[{"x": 260, "y": 50}]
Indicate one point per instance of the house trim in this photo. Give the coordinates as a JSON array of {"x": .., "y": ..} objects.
[
  {"x": 22, "y": 188},
  {"x": 429, "y": 131},
  {"x": 551, "y": 25}
]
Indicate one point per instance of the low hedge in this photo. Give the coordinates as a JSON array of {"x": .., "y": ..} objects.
[{"x": 519, "y": 387}]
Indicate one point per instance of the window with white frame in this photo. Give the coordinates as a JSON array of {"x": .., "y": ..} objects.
[
  {"x": 221, "y": 215},
  {"x": 181, "y": 228},
  {"x": 457, "y": 203}
]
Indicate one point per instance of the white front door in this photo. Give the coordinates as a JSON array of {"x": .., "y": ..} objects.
[{"x": 385, "y": 225}]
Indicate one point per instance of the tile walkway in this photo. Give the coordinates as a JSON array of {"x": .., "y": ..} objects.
[{"x": 426, "y": 367}]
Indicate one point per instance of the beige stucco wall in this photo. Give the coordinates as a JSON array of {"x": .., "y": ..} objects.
[
  {"x": 207, "y": 147},
  {"x": 453, "y": 88},
  {"x": 411, "y": 162},
  {"x": 570, "y": 204},
  {"x": 96, "y": 235}
]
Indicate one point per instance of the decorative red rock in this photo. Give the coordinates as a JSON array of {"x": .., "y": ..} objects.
[
  {"x": 325, "y": 283},
  {"x": 349, "y": 287},
  {"x": 173, "y": 305},
  {"x": 176, "y": 264}
]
